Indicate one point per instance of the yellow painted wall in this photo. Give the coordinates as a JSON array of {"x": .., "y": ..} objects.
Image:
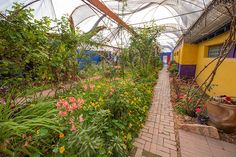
[
  {"x": 225, "y": 79},
  {"x": 186, "y": 54},
  {"x": 178, "y": 52}
]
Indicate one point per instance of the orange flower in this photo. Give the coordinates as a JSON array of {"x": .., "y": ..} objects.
[{"x": 61, "y": 135}]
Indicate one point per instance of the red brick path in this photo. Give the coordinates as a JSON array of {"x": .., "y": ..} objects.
[{"x": 158, "y": 136}]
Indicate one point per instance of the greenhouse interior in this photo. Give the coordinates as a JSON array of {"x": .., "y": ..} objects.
[{"x": 117, "y": 78}]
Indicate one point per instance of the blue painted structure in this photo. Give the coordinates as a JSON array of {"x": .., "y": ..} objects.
[
  {"x": 90, "y": 56},
  {"x": 168, "y": 54}
]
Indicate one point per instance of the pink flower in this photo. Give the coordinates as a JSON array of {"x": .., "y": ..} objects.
[
  {"x": 85, "y": 87},
  {"x": 117, "y": 67},
  {"x": 73, "y": 127},
  {"x": 182, "y": 96},
  {"x": 80, "y": 102},
  {"x": 72, "y": 99},
  {"x": 92, "y": 86},
  {"x": 116, "y": 79},
  {"x": 74, "y": 106},
  {"x": 65, "y": 105},
  {"x": 95, "y": 78},
  {"x": 111, "y": 91},
  {"x": 58, "y": 105},
  {"x": 23, "y": 136},
  {"x": 198, "y": 110},
  {"x": 71, "y": 121},
  {"x": 26, "y": 144},
  {"x": 62, "y": 100},
  {"x": 30, "y": 137},
  {"x": 63, "y": 114},
  {"x": 81, "y": 119}
]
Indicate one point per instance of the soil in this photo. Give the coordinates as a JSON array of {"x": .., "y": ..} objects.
[{"x": 183, "y": 119}]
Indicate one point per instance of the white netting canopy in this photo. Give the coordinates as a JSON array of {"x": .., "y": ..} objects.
[{"x": 176, "y": 15}]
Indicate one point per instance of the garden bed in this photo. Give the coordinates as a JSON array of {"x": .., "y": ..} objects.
[
  {"x": 185, "y": 119},
  {"x": 99, "y": 116}
]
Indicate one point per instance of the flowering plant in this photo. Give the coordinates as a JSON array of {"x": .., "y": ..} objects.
[
  {"x": 227, "y": 99},
  {"x": 201, "y": 115}
]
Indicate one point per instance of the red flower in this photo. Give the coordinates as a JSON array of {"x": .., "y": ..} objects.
[
  {"x": 198, "y": 110},
  {"x": 227, "y": 98}
]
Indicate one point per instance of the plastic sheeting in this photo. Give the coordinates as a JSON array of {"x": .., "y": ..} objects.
[{"x": 176, "y": 15}]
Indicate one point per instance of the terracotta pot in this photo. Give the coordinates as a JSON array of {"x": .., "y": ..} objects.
[{"x": 222, "y": 115}]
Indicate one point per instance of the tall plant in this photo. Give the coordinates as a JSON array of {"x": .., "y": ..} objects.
[
  {"x": 143, "y": 53},
  {"x": 32, "y": 52}
]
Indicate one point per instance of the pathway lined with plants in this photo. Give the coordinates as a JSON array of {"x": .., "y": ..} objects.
[{"x": 157, "y": 138}]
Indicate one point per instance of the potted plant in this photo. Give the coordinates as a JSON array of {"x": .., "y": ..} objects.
[
  {"x": 202, "y": 116},
  {"x": 222, "y": 112}
]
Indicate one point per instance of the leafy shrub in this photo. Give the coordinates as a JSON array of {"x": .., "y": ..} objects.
[
  {"x": 99, "y": 117},
  {"x": 31, "y": 52},
  {"x": 173, "y": 68},
  {"x": 28, "y": 129}
]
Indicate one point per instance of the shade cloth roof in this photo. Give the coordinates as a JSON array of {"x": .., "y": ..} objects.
[{"x": 178, "y": 16}]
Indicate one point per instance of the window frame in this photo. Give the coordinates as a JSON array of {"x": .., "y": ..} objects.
[{"x": 211, "y": 46}]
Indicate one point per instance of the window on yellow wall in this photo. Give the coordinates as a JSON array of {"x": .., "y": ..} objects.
[{"x": 214, "y": 50}]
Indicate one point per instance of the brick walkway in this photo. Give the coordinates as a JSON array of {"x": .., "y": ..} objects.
[
  {"x": 194, "y": 145},
  {"x": 157, "y": 138}
]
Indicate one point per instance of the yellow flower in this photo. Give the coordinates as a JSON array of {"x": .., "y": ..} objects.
[
  {"x": 100, "y": 99},
  {"x": 62, "y": 149},
  {"x": 38, "y": 131},
  {"x": 93, "y": 104},
  {"x": 61, "y": 135},
  {"x": 98, "y": 86},
  {"x": 124, "y": 138}
]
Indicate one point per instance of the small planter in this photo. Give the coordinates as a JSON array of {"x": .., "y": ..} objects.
[
  {"x": 222, "y": 115},
  {"x": 202, "y": 119}
]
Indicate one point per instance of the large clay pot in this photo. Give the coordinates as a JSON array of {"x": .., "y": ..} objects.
[{"x": 223, "y": 116}]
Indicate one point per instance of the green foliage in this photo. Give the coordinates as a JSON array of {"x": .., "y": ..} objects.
[
  {"x": 173, "y": 68},
  {"x": 113, "y": 101},
  {"x": 32, "y": 52},
  {"x": 188, "y": 105},
  {"x": 143, "y": 54},
  {"x": 27, "y": 129}
]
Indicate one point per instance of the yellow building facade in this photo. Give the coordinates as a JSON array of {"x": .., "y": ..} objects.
[{"x": 192, "y": 58}]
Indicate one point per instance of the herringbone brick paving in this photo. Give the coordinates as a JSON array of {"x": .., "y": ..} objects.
[{"x": 158, "y": 135}]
